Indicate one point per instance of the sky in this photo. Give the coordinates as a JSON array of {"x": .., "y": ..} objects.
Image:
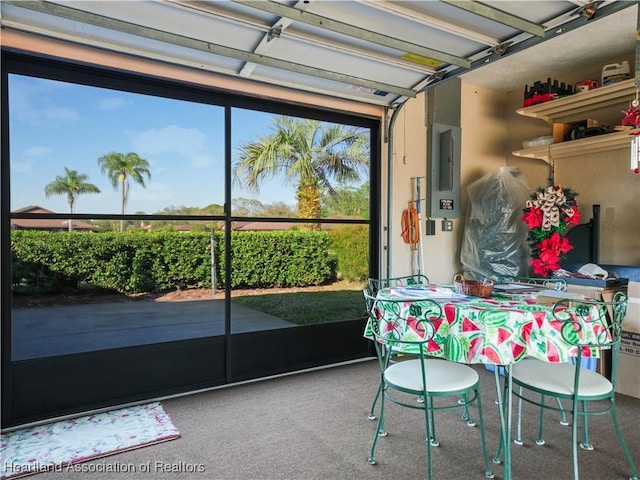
[{"x": 54, "y": 125}]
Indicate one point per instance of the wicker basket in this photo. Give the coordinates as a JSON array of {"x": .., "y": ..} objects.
[{"x": 473, "y": 287}]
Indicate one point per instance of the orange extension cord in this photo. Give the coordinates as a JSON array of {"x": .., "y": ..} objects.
[{"x": 409, "y": 224}]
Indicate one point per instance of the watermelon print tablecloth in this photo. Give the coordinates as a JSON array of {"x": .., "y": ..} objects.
[{"x": 498, "y": 331}]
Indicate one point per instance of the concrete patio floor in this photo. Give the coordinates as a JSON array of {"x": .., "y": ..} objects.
[{"x": 49, "y": 331}]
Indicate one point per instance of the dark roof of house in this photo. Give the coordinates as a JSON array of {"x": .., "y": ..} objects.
[
  {"x": 262, "y": 226},
  {"x": 46, "y": 223}
]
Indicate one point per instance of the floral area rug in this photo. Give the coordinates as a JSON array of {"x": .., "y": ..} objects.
[{"x": 60, "y": 445}]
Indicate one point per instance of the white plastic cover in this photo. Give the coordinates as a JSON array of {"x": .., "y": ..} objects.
[
  {"x": 593, "y": 271},
  {"x": 495, "y": 236}
]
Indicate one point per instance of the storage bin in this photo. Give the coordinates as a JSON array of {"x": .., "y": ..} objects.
[
  {"x": 492, "y": 368},
  {"x": 590, "y": 363}
]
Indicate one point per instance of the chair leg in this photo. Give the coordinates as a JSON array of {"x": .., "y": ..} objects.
[
  {"x": 372, "y": 414},
  {"x": 540, "y": 440},
  {"x": 501, "y": 395},
  {"x": 430, "y": 429},
  {"x": 518, "y": 439},
  {"x": 488, "y": 472},
  {"x": 585, "y": 445},
  {"x": 563, "y": 416},
  {"x": 625, "y": 449},
  {"x": 574, "y": 440},
  {"x": 431, "y": 433},
  {"x": 380, "y": 431},
  {"x": 465, "y": 411}
]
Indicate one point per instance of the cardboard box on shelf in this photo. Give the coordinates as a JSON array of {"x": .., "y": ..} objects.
[
  {"x": 561, "y": 130},
  {"x": 628, "y": 376},
  {"x": 550, "y": 297},
  {"x": 597, "y": 292}
]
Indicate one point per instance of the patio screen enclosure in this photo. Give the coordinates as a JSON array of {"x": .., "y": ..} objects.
[{"x": 64, "y": 122}]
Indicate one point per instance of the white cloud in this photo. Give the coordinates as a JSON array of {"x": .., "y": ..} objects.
[
  {"x": 26, "y": 162},
  {"x": 201, "y": 161},
  {"x": 55, "y": 114},
  {"x": 21, "y": 166},
  {"x": 112, "y": 103},
  {"x": 189, "y": 143},
  {"x": 31, "y": 102},
  {"x": 37, "y": 151}
]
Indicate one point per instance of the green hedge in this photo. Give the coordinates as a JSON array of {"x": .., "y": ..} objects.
[
  {"x": 350, "y": 245},
  {"x": 157, "y": 261},
  {"x": 134, "y": 262}
]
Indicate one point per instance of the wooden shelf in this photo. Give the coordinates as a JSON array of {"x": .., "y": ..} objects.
[
  {"x": 573, "y": 107},
  {"x": 599, "y": 143}
]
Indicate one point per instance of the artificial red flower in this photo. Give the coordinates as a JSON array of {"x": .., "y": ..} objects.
[
  {"x": 540, "y": 268},
  {"x": 555, "y": 244},
  {"x": 575, "y": 218},
  {"x": 533, "y": 218},
  {"x": 550, "y": 258}
]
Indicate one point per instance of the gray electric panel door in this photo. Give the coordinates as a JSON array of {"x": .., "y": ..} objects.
[
  {"x": 444, "y": 171},
  {"x": 444, "y": 137}
]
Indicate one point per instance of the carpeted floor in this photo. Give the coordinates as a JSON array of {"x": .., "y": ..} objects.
[{"x": 314, "y": 426}]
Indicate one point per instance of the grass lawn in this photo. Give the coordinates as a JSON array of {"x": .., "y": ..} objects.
[{"x": 307, "y": 308}]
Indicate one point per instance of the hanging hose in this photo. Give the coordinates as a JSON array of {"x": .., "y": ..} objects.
[{"x": 410, "y": 224}]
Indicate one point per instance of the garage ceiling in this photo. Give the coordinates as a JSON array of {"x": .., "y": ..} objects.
[{"x": 376, "y": 52}]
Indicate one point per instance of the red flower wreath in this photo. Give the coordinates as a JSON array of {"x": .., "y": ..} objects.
[{"x": 549, "y": 214}]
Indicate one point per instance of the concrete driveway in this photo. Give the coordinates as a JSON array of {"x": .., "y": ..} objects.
[{"x": 47, "y": 331}]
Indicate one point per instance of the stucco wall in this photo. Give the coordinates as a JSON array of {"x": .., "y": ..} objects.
[
  {"x": 599, "y": 178},
  {"x": 483, "y": 151},
  {"x": 491, "y": 130}
]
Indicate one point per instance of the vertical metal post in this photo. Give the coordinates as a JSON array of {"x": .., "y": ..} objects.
[
  {"x": 214, "y": 286},
  {"x": 419, "y": 211},
  {"x": 389, "y": 192}
]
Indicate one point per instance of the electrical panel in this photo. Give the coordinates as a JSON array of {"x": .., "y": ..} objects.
[
  {"x": 444, "y": 171},
  {"x": 444, "y": 143}
]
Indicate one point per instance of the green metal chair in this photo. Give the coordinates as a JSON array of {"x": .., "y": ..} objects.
[
  {"x": 559, "y": 284},
  {"x": 432, "y": 378},
  {"x": 538, "y": 380},
  {"x": 375, "y": 284}
]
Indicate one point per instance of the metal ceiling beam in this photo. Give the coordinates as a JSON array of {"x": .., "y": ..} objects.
[
  {"x": 352, "y": 31},
  {"x": 496, "y": 15},
  {"x": 269, "y": 38},
  {"x": 439, "y": 24},
  {"x": 603, "y": 11},
  {"x": 375, "y": 100},
  {"x": 74, "y": 14},
  {"x": 215, "y": 11}
]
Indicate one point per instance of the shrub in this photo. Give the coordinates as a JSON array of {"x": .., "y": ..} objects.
[
  {"x": 133, "y": 262},
  {"x": 350, "y": 245}
]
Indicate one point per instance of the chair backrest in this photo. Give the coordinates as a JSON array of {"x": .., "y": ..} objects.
[
  {"x": 559, "y": 284},
  {"x": 396, "y": 325},
  {"x": 376, "y": 284},
  {"x": 606, "y": 323}
]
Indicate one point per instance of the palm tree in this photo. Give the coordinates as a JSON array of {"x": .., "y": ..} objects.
[
  {"x": 119, "y": 167},
  {"x": 71, "y": 184},
  {"x": 309, "y": 154}
]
